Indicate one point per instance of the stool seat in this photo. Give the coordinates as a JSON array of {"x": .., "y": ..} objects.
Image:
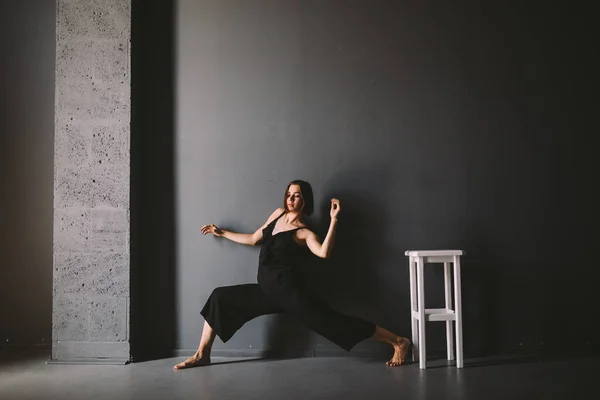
[
  {"x": 433, "y": 253},
  {"x": 450, "y": 314},
  {"x": 435, "y": 256}
]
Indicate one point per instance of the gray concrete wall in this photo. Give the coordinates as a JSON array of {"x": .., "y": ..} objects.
[
  {"x": 26, "y": 153},
  {"x": 91, "y": 180}
]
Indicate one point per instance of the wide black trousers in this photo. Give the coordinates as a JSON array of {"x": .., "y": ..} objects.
[{"x": 229, "y": 307}]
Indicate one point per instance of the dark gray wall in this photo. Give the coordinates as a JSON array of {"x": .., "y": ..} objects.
[
  {"x": 437, "y": 126},
  {"x": 27, "y": 48}
]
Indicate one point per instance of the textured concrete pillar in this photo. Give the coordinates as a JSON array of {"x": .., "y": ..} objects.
[{"x": 91, "y": 181}]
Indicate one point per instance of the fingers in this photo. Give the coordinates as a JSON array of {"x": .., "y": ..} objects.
[
  {"x": 210, "y": 228},
  {"x": 335, "y": 204}
]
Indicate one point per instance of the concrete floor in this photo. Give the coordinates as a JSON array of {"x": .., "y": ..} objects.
[{"x": 27, "y": 376}]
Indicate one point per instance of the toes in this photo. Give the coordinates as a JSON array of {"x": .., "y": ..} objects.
[{"x": 394, "y": 362}]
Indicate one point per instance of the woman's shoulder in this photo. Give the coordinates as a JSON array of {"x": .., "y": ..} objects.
[
  {"x": 304, "y": 231},
  {"x": 274, "y": 215},
  {"x": 277, "y": 212}
]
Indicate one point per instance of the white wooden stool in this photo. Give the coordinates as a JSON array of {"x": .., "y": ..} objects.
[{"x": 420, "y": 315}]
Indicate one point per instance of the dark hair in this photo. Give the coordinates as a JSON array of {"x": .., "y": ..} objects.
[{"x": 307, "y": 196}]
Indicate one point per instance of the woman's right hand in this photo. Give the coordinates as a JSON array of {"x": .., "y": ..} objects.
[{"x": 213, "y": 229}]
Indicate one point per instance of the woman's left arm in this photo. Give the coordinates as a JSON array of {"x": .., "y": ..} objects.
[{"x": 312, "y": 241}]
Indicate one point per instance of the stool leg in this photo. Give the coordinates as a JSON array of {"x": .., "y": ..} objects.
[
  {"x": 458, "y": 311},
  {"x": 413, "y": 308},
  {"x": 421, "y": 302},
  {"x": 448, "y": 294}
]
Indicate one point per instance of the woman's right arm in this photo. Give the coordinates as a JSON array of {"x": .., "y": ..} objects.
[{"x": 251, "y": 239}]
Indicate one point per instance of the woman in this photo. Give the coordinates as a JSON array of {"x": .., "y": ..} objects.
[{"x": 282, "y": 238}]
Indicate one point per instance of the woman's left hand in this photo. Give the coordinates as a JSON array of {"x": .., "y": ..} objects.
[{"x": 335, "y": 208}]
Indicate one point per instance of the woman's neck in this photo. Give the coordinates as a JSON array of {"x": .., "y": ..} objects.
[{"x": 292, "y": 217}]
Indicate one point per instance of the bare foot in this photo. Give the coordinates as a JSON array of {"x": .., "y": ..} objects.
[
  {"x": 401, "y": 348},
  {"x": 196, "y": 360}
]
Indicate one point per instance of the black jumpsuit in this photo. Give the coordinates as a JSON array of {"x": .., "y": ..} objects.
[{"x": 278, "y": 290}]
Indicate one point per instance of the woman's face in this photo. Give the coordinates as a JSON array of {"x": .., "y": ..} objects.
[{"x": 294, "y": 200}]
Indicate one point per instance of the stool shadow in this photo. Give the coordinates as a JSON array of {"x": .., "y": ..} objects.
[{"x": 479, "y": 287}]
